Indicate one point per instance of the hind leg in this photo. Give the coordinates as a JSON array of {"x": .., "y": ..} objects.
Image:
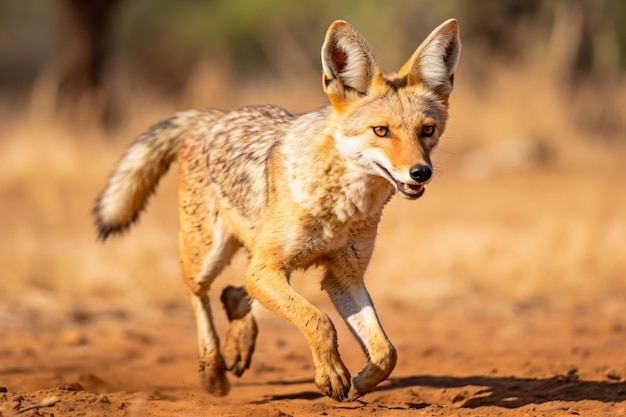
[
  {"x": 241, "y": 336},
  {"x": 205, "y": 251}
]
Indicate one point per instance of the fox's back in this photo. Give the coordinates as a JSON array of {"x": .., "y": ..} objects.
[{"x": 226, "y": 160}]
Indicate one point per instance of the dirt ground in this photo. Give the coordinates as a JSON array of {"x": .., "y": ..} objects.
[
  {"x": 460, "y": 359},
  {"x": 505, "y": 295}
]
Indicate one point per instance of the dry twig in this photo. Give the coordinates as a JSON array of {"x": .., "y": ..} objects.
[{"x": 46, "y": 402}]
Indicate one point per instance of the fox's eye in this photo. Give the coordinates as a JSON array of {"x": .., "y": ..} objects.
[
  {"x": 428, "y": 131},
  {"x": 381, "y": 131}
]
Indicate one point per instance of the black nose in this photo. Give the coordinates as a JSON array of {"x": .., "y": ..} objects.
[{"x": 421, "y": 173}]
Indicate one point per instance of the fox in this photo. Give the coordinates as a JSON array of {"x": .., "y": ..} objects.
[{"x": 294, "y": 191}]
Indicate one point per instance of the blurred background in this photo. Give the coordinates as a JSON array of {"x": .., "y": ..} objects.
[{"x": 528, "y": 202}]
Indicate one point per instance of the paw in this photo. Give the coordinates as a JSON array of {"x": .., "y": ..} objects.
[
  {"x": 373, "y": 374},
  {"x": 354, "y": 394},
  {"x": 213, "y": 378},
  {"x": 241, "y": 336},
  {"x": 239, "y": 346},
  {"x": 334, "y": 382},
  {"x": 360, "y": 387}
]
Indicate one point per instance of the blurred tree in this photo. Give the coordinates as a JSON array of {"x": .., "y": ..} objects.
[
  {"x": 154, "y": 47},
  {"x": 85, "y": 27}
]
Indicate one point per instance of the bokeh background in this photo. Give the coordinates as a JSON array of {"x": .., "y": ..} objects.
[{"x": 529, "y": 201}]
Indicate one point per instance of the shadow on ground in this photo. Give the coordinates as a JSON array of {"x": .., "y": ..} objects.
[
  {"x": 506, "y": 392},
  {"x": 513, "y": 392}
]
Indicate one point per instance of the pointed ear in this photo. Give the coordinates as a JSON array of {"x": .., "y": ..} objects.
[
  {"x": 434, "y": 62},
  {"x": 348, "y": 63}
]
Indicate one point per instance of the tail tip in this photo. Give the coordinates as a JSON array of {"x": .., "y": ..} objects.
[
  {"x": 103, "y": 232},
  {"x": 103, "y": 228}
]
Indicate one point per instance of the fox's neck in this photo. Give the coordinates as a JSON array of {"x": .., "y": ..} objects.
[{"x": 327, "y": 184}]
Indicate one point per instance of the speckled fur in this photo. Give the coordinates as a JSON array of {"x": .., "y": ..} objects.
[{"x": 295, "y": 191}]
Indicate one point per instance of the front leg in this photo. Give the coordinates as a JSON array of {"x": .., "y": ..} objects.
[
  {"x": 269, "y": 284},
  {"x": 345, "y": 286}
]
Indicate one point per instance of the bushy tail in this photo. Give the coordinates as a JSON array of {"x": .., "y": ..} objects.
[{"x": 137, "y": 174}]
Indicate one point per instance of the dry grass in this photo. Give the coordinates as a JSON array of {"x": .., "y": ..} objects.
[{"x": 524, "y": 206}]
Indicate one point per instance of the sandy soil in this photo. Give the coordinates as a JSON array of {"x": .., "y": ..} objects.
[
  {"x": 504, "y": 296},
  {"x": 533, "y": 360}
]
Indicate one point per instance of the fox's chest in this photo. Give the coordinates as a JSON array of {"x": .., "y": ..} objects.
[{"x": 315, "y": 240}]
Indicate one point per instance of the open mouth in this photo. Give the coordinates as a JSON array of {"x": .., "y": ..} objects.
[{"x": 410, "y": 191}]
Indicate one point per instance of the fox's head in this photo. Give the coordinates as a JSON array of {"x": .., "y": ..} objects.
[{"x": 388, "y": 124}]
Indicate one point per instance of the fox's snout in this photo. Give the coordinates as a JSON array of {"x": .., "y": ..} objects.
[{"x": 421, "y": 173}]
